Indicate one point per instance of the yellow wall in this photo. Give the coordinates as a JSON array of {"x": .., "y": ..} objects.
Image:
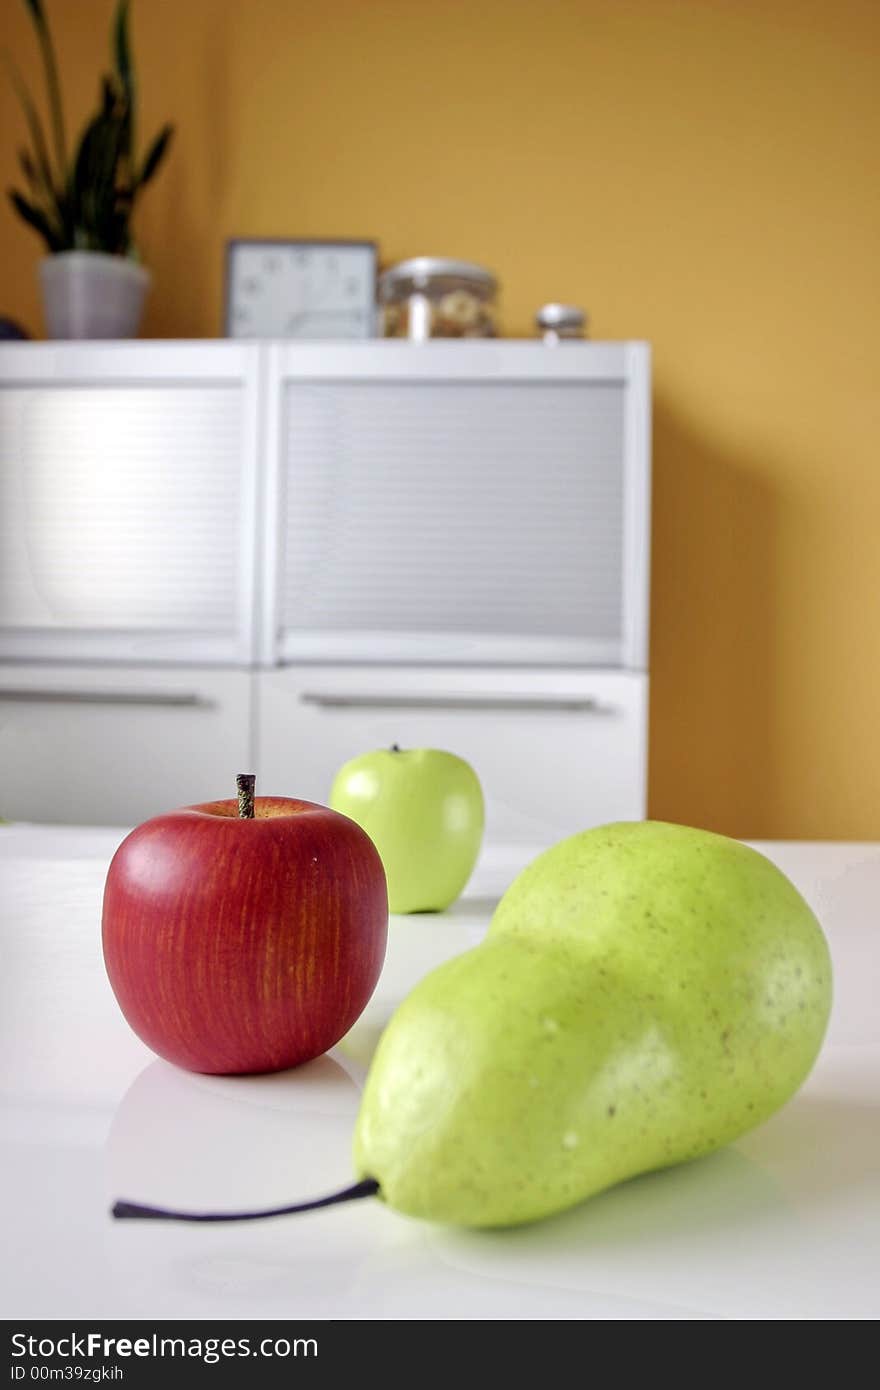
[{"x": 700, "y": 173}]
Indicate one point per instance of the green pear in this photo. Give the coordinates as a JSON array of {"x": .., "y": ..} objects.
[{"x": 645, "y": 994}]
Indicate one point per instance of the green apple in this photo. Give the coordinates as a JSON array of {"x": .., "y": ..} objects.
[
  {"x": 646, "y": 993},
  {"x": 423, "y": 810}
]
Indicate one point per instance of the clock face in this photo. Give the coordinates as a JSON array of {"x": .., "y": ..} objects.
[{"x": 301, "y": 290}]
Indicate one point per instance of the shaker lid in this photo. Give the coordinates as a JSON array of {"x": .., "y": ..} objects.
[
  {"x": 560, "y": 316},
  {"x": 421, "y": 271}
]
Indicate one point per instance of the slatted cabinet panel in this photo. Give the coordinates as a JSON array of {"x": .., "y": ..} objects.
[
  {"x": 486, "y": 505},
  {"x": 469, "y": 513},
  {"x": 127, "y": 502}
]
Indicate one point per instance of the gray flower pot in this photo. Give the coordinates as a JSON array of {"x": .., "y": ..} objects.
[{"x": 87, "y": 294}]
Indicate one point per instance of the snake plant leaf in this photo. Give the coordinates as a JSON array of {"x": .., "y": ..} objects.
[
  {"x": 34, "y": 124},
  {"x": 126, "y": 138},
  {"x": 94, "y": 184},
  {"x": 122, "y": 49},
  {"x": 125, "y": 72},
  {"x": 44, "y": 198},
  {"x": 36, "y": 218},
  {"x": 108, "y": 94},
  {"x": 116, "y": 104},
  {"x": 29, "y": 169},
  {"x": 53, "y": 86},
  {"x": 155, "y": 154}
]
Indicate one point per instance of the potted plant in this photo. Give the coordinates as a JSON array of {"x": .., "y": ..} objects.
[{"x": 93, "y": 284}]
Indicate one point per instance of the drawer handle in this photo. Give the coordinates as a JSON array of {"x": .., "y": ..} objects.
[
  {"x": 554, "y": 703},
  {"x": 164, "y": 698}
]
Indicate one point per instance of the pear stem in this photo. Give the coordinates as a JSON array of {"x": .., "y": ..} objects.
[
  {"x": 133, "y": 1211},
  {"x": 244, "y": 785}
]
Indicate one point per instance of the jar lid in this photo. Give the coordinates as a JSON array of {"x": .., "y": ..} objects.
[
  {"x": 421, "y": 272},
  {"x": 560, "y": 316}
]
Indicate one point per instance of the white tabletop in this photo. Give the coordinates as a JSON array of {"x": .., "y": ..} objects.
[{"x": 783, "y": 1224}]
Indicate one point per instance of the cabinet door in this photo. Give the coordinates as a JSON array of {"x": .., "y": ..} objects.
[
  {"x": 468, "y": 503},
  {"x": 114, "y": 745},
  {"x": 128, "y": 478},
  {"x": 555, "y": 751}
]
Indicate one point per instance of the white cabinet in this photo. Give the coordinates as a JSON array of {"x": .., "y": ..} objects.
[
  {"x": 555, "y": 750},
  {"x": 112, "y": 745},
  {"x": 218, "y": 555}
]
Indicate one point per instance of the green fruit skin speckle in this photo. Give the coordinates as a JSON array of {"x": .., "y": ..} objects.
[{"x": 646, "y": 994}]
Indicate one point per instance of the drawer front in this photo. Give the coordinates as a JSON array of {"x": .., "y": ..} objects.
[
  {"x": 555, "y": 752},
  {"x": 114, "y": 745}
]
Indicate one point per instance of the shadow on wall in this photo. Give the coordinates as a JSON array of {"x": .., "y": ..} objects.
[{"x": 712, "y": 635}]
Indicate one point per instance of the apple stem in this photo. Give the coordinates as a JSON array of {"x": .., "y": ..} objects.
[
  {"x": 395, "y": 748},
  {"x": 244, "y": 785},
  {"x": 124, "y": 1211}
]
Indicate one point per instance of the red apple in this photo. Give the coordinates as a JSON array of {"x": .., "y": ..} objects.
[{"x": 244, "y": 945}]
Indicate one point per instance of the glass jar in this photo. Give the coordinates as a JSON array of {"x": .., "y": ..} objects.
[
  {"x": 429, "y": 297},
  {"x": 561, "y": 322}
]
